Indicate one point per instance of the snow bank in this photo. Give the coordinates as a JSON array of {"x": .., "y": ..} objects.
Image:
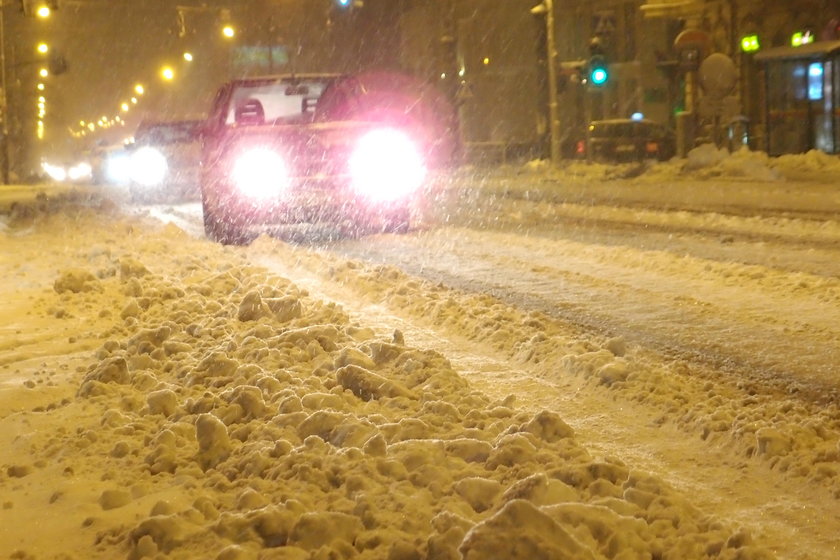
[
  {"x": 703, "y": 162},
  {"x": 227, "y": 414}
]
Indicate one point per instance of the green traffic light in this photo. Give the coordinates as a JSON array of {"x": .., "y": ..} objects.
[{"x": 598, "y": 76}]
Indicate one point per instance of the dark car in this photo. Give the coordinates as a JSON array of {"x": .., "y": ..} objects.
[
  {"x": 163, "y": 160},
  {"x": 315, "y": 148},
  {"x": 624, "y": 140}
]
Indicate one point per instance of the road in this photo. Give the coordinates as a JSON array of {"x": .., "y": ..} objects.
[{"x": 722, "y": 298}]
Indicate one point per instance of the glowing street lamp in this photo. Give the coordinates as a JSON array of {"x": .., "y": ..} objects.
[
  {"x": 43, "y": 48},
  {"x": 139, "y": 89},
  {"x": 167, "y": 73},
  {"x": 43, "y": 12},
  {"x": 188, "y": 56},
  {"x": 41, "y": 87},
  {"x": 124, "y": 107},
  {"x": 43, "y": 72},
  {"x": 228, "y": 31}
]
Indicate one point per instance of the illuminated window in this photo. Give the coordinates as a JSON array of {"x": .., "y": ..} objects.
[{"x": 815, "y": 81}]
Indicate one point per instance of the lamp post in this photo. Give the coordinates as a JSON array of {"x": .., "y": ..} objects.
[
  {"x": 4, "y": 99},
  {"x": 546, "y": 9}
]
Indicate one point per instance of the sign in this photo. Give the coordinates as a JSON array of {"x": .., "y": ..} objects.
[{"x": 718, "y": 75}]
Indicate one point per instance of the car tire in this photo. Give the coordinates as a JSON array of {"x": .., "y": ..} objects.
[{"x": 220, "y": 230}]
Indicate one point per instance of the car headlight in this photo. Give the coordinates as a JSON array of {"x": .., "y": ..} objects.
[
  {"x": 260, "y": 173},
  {"x": 118, "y": 168},
  {"x": 386, "y": 166},
  {"x": 148, "y": 167}
]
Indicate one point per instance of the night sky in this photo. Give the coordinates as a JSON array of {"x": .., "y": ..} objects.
[{"x": 110, "y": 45}]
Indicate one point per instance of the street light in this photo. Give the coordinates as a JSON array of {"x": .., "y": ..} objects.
[
  {"x": 43, "y": 48},
  {"x": 546, "y": 8},
  {"x": 4, "y": 107},
  {"x": 228, "y": 31},
  {"x": 139, "y": 89},
  {"x": 167, "y": 73}
]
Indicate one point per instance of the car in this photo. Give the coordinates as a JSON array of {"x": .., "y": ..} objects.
[
  {"x": 163, "y": 161},
  {"x": 625, "y": 140},
  {"x": 348, "y": 150}
]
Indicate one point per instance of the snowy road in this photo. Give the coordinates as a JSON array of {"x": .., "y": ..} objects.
[{"x": 722, "y": 296}]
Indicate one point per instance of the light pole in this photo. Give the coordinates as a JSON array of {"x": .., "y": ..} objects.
[
  {"x": 546, "y": 8},
  {"x": 4, "y": 98}
]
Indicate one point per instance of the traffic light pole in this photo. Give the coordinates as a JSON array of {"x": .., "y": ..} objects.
[
  {"x": 546, "y": 8},
  {"x": 553, "y": 108}
]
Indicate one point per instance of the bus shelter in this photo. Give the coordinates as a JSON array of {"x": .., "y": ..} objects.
[{"x": 801, "y": 97}]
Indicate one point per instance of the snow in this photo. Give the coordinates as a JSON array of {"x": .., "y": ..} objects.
[{"x": 162, "y": 396}]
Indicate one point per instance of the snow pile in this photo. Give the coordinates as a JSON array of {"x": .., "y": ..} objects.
[
  {"x": 799, "y": 441},
  {"x": 812, "y": 163},
  {"x": 709, "y": 161},
  {"x": 227, "y": 414},
  {"x": 703, "y": 162}
]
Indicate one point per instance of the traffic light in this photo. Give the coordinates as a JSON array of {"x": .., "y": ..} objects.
[{"x": 598, "y": 73}]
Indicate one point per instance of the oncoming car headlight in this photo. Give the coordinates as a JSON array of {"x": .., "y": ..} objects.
[
  {"x": 148, "y": 167},
  {"x": 260, "y": 172},
  {"x": 386, "y": 165}
]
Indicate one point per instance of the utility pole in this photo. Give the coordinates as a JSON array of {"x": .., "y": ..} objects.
[
  {"x": 4, "y": 98},
  {"x": 546, "y": 8}
]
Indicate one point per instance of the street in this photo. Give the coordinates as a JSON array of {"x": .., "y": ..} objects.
[{"x": 684, "y": 327}]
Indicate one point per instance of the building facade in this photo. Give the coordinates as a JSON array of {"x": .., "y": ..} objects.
[{"x": 492, "y": 58}]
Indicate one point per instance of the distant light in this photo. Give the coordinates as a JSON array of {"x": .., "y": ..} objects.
[
  {"x": 637, "y": 116},
  {"x": 139, "y": 89},
  {"x": 43, "y": 12},
  {"x": 43, "y": 72},
  {"x": 43, "y": 48},
  {"x": 40, "y": 87},
  {"x": 167, "y": 73},
  {"x": 443, "y": 75},
  {"x": 486, "y": 60},
  {"x": 228, "y": 31},
  {"x": 124, "y": 107},
  {"x": 134, "y": 100},
  {"x": 55, "y": 172},
  {"x": 42, "y": 99},
  {"x": 461, "y": 72},
  {"x": 188, "y": 57},
  {"x": 749, "y": 43}
]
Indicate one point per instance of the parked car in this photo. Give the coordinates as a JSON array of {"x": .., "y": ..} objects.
[
  {"x": 163, "y": 161},
  {"x": 623, "y": 140},
  {"x": 315, "y": 148}
]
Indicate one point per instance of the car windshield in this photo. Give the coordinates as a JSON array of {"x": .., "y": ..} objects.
[
  {"x": 276, "y": 102},
  {"x": 169, "y": 133}
]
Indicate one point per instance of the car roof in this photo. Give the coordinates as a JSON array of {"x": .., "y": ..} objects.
[
  {"x": 256, "y": 80},
  {"x": 624, "y": 121}
]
